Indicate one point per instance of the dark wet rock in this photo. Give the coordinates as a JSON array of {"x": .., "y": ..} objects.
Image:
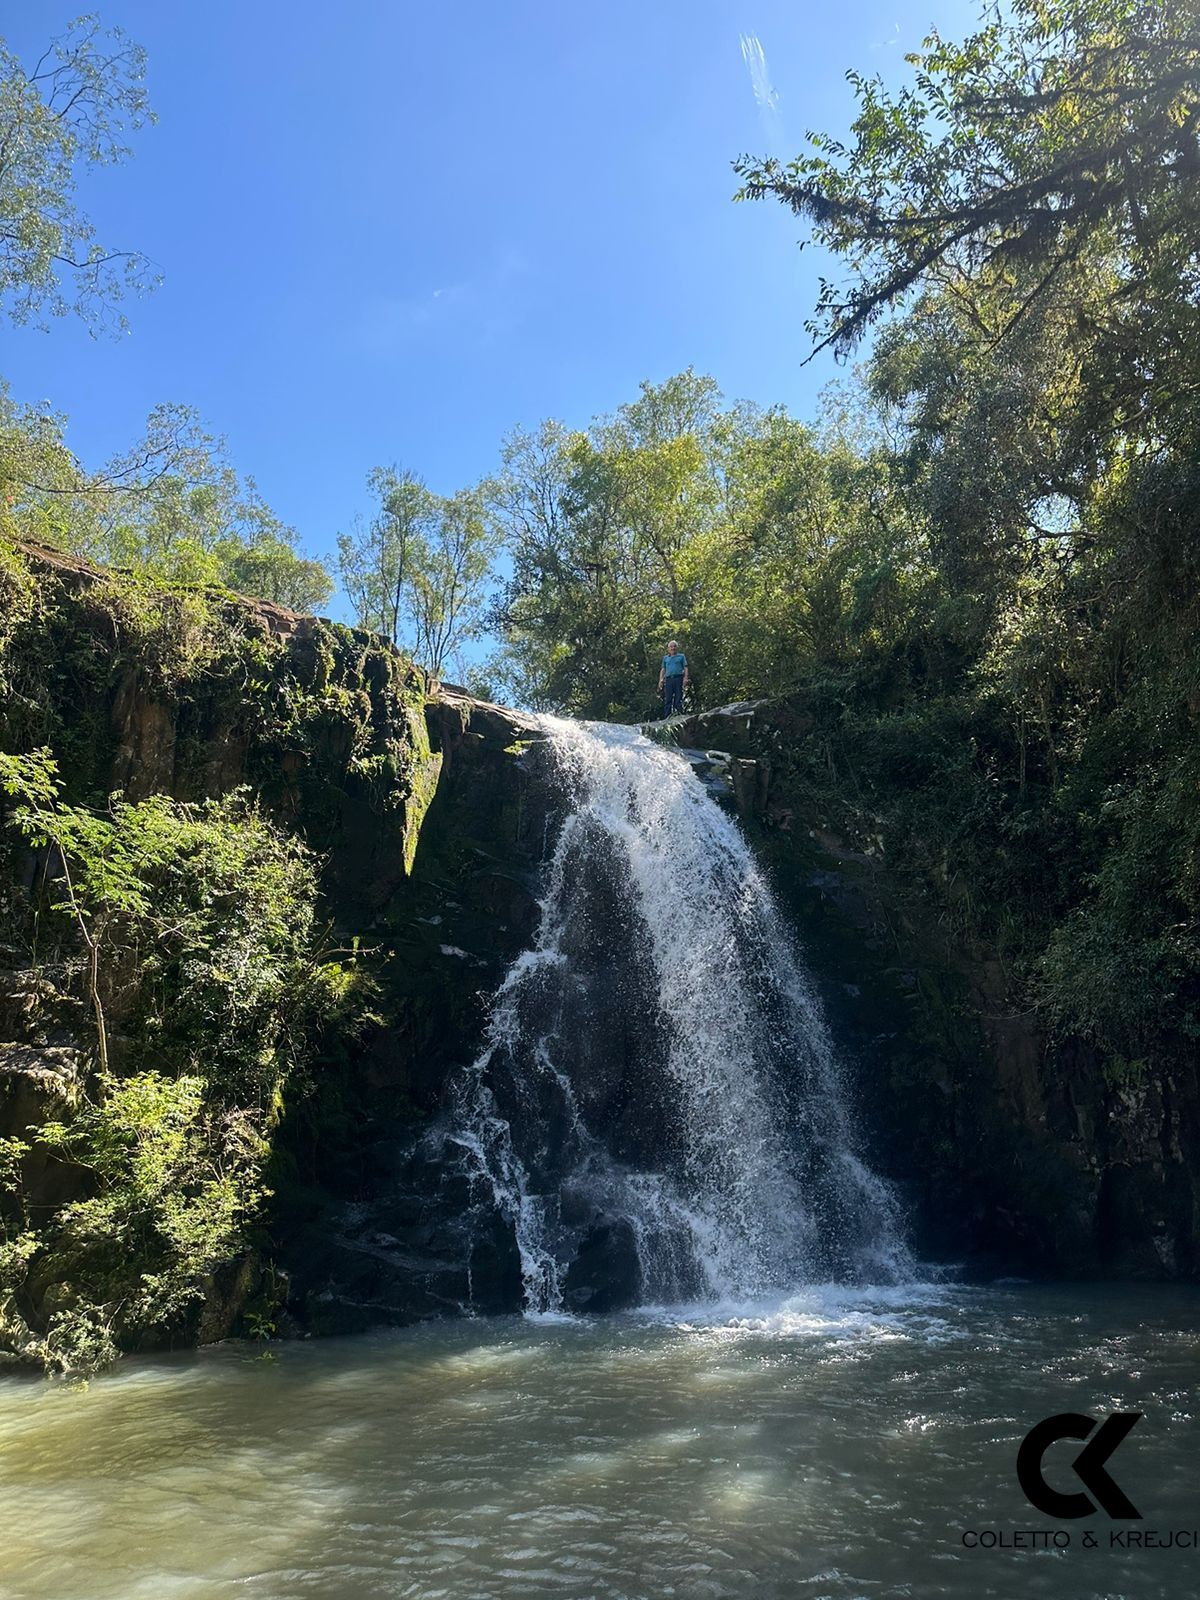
[
  {"x": 1014, "y": 1150},
  {"x": 605, "y": 1274},
  {"x": 432, "y": 813}
]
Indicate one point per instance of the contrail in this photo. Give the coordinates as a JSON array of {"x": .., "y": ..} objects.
[{"x": 756, "y": 65}]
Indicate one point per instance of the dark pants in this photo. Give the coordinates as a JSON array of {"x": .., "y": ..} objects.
[{"x": 672, "y": 693}]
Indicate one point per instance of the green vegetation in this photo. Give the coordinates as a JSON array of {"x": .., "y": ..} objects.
[
  {"x": 976, "y": 579},
  {"x": 418, "y": 572},
  {"x": 98, "y": 667},
  {"x": 18, "y": 599},
  {"x": 165, "y": 987},
  {"x": 171, "y": 506},
  {"x": 739, "y": 528},
  {"x": 73, "y": 109},
  {"x": 981, "y": 572},
  {"x": 185, "y": 936}
]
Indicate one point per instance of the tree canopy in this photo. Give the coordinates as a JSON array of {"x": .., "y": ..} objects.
[
  {"x": 978, "y": 566},
  {"x": 980, "y": 570},
  {"x": 73, "y": 109},
  {"x": 171, "y": 507},
  {"x": 1063, "y": 132},
  {"x": 418, "y": 571}
]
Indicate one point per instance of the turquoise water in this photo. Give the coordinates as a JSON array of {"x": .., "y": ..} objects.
[{"x": 837, "y": 1444}]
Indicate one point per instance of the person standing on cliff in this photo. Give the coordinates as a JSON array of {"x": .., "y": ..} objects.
[{"x": 673, "y": 678}]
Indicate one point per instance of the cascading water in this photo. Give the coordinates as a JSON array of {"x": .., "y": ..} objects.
[{"x": 657, "y": 1105}]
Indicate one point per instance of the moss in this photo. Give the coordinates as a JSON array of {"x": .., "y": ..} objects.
[
  {"x": 308, "y": 712},
  {"x": 18, "y": 597},
  {"x": 1121, "y": 1074},
  {"x": 424, "y": 770},
  {"x": 170, "y": 696},
  {"x": 171, "y": 634}
]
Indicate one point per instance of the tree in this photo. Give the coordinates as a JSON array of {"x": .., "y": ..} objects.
[
  {"x": 270, "y": 569},
  {"x": 1066, "y": 126},
  {"x": 1029, "y": 205},
  {"x": 604, "y": 530},
  {"x": 175, "y": 507},
  {"x": 172, "y": 507},
  {"x": 377, "y": 562},
  {"x": 73, "y": 110},
  {"x": 418, "y": 571},
  {"x": 38, "y": 474},
  {"x": 450, "y": 577},
  {"x": 188, "y": 930},
  {"x": 661, "y": 449},
  {"x": 1025, "y": 215}
]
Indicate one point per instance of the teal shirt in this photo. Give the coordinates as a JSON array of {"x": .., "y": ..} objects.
[{"x": 674, "y": 665}]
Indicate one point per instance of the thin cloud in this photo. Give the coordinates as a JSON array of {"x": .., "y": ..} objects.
[{"x": 756, "y": 64}]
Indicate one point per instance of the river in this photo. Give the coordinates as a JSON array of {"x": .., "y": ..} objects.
[
  {"x": 658, "y": 1113},
  {"x": 838, "y": 1444}
]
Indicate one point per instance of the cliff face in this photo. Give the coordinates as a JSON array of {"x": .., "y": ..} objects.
[
  {"x": 1019, "y": 1148},
  {"x": 369, "y": 1228},
  {"x": 423, "y": 819},
  {"x": 316, "y": 1044}
]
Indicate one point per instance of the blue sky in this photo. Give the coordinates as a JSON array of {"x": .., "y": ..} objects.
[{"x": 390, "y": 232}]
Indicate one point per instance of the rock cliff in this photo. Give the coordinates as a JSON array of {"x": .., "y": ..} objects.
[
  {"x": 1018, "y": 1151},
  {"x": 426, "y": 815}
]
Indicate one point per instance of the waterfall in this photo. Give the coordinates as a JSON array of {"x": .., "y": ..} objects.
[{"x": 657, "y": 1112}]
